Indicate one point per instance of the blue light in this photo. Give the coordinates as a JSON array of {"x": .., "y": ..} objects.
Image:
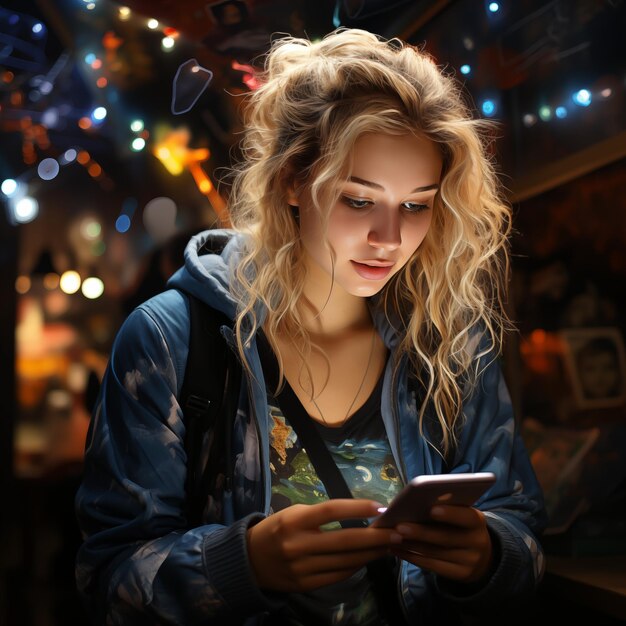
[
  {"x": 38, "y": 29},
  {"x": 488, "y": 108},
  {"x": 494, "y": 7},
  {"x": 90, "y": 58},
  {"x": 582, "y": 97},
  {"x": 99, "y": 114},
  {"x": 122, "y": 223},
  {"x": 14, "y": 19},
  {"x": 560, "y": 112},
  {"x": 465, "y": 69}
]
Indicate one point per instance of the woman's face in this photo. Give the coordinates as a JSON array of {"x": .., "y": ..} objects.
[{"x": 382, "y": 215}]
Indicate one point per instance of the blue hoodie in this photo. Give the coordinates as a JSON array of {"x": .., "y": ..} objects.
[{"x": 141, "y": 564}]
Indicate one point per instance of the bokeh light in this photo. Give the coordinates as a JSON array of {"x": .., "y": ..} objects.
[
  {"x": 92, "y": 288},
  {"x": 70, "y": 282}
]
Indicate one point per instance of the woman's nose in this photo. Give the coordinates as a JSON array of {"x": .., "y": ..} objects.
[{"x": 385, "y": 232}]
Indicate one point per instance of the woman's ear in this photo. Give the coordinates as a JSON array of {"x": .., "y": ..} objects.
[{"x": 292, "y": 198}]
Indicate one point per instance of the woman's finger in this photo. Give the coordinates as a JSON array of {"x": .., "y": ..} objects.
[
  {"x": 328, "y": 563},
  {"x": 316, "y": 515}
]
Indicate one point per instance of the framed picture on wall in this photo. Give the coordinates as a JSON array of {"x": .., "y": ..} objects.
[{"x": 596, "y": 365}]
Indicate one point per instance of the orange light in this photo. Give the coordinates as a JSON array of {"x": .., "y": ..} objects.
[
  {"x": 102, "y": 82},
  {"x": 168, "y": 31},
  {"x": 538, "y": 336},
  {"x": 84, "y": 123},
  {"x": 97, "y": 64},
  {"x": 83, "y": 157},
  {"x": 8, "y": 76},
  {"x": 94, "y": 170}
]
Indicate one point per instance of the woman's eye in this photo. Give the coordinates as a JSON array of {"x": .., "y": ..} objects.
[
  {"x": 415, "y": 207},
  {"x": 355, "y": 203}
]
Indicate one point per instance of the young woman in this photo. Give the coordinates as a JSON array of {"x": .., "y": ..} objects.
[{"x": 364, "y": 279}]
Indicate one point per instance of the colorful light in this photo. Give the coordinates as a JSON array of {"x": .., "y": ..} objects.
[
  {"x": 136, "y": 126},
  {"x": 488, "y": 108},
  {"x": 582, "y": 97},
  {"x": 48, "y": 169},
  {"x": 465, "y": 69},
  {"x": 90, "y": 229},
  {"x": 69, "y": 155},
  {"x": 153, "y": 24},
  {"x": 560, "y": 112},
  {"x": 167, "y": 43},
  {"x": 545, "y": 113},
  {"x": 92, "y": 288},
  {"x": 9, "y": 187},
  {"x": 122, "y": 223},
  {"x": 26, "y": 210},
  {"x": 529, "y": 120},
  {"x": 124, "y": 13},
  {"x": 98, "y": 114},
  {"x": 138, "y": 144},
  {"x": 22, "y": 284},
  {"x": 70, "y": 282},
  {"x": 493, "y": 7}
]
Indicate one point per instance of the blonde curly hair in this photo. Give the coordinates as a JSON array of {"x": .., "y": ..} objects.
[{"x": 315, "y": 100}]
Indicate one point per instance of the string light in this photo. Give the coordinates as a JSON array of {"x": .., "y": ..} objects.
[
  {"x": 488, "y": 108},
  {"x": 122, "y": 223},
  {"x": 92, "y": 288},
  {"x": 9, "y": 187},
  {"x": 582, "y": 97},
  {"x": 70, "y": 282},
  {"x": 167, "y": 43},
  {"x": 545, "y": 113},
  {"x": 26, "y": 210},
  {"x": 98, "y": 114},
  {"x": 138, "y": 144}
]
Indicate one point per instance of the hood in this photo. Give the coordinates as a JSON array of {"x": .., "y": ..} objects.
[{"x": 207, "y": 275}]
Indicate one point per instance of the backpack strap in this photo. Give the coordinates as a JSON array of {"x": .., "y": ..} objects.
[{"x": 208, "y": 398}]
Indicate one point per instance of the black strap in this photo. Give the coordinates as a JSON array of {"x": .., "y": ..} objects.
[
  {"x": 206, "y": 393},
  {"x": 381, "y": 571}
]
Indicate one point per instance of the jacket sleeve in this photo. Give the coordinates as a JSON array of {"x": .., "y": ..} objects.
[
  {"x": 139, "y": 563},
  {"x": 514, "y": 507}
]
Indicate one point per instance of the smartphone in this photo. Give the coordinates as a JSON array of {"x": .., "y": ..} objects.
[{"x": 414, "y": 502}]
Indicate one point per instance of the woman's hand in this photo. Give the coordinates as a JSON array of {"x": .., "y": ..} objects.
[
  {"x": 289, "y": 552},
  {"x": 456, "y": 545}
]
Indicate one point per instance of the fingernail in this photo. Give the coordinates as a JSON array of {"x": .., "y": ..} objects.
[
  {"x": 396, "y": 538},
  {"x": 381, "y": 509},
  {"x": 437, "y": 511},
  {"x": 403, "y": 530}
]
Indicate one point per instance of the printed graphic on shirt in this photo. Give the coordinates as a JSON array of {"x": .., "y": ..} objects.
[{"x": 366, "y": 465}]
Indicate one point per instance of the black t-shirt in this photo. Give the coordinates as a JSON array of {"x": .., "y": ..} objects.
[{"x": 362, "y": 453}]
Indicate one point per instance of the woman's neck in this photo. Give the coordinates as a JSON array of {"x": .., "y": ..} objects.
[{"x": 328, "y": 311}]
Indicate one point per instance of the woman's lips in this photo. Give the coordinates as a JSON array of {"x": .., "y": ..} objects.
[{"x": 372, "y": 272}]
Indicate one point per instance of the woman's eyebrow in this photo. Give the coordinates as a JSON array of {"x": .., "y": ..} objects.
[{"x": 369, "y": 183}]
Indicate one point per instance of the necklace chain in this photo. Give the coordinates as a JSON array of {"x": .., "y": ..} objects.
[{"x": 367, "y": 369}]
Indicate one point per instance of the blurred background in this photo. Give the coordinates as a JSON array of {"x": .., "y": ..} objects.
[{"x": 117, "y": 125}]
